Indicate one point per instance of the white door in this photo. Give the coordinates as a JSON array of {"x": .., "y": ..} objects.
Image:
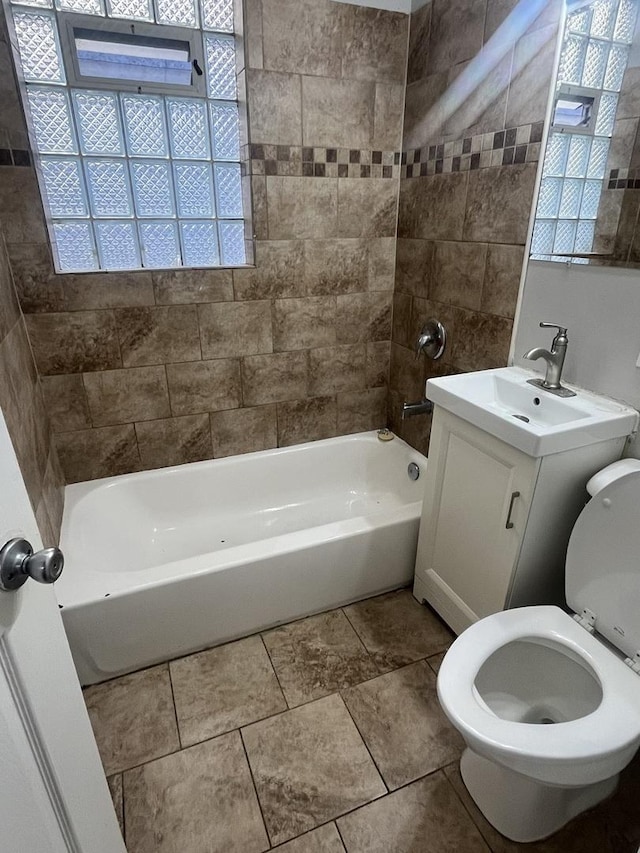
[{"x": 53, "y": 794}]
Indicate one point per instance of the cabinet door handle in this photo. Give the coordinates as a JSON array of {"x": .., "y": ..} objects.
[{"x": 509, "y": 523}]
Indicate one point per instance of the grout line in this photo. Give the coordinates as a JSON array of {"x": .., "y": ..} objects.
[
  {"x": 366, "y": 746},
  {"x": 275, "y": 672},
  {"x": 175, "y": 710},
  {"x": 255, "y": 787}
]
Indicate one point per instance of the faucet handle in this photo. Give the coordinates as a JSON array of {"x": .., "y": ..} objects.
[{"x": 562, "y": 330}]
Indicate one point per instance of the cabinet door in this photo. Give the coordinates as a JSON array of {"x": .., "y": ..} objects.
[{"x": 477, "y": 499}]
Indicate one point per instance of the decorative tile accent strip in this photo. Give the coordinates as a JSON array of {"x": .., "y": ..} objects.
[
  {"x": 17, "y": 157},
  {"x": 624, "y": 179},
  {"x": 308, "y": 162},
  {"x": 504, "y": 148}
]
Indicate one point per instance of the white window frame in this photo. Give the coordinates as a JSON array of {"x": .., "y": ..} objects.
[{"x": 69, "y": 20}]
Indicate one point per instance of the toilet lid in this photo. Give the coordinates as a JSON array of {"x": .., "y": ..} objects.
[{"x": 603, "y": 562}]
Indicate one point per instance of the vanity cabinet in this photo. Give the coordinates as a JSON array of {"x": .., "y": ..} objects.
[{"x": 496, "y": 522}]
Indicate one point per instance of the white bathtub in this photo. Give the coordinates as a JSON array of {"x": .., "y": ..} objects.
[{"x": 162, "y": 563}]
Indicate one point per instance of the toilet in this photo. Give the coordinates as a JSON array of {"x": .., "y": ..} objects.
[{"x": 548, "y": 702}]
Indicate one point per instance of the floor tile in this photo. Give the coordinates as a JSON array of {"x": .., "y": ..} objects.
[
  {"x": 396, "y": 630},
  {"x": 133, "y": 718},
  {"x": 317, "y": 656},
  {"x": 115, "y": 788},
  {"x": 200, "y": 799},
  {"x": 400, "y": 719},
  {"x": 325, "y": 839},
  {"x": 224, "y": 688},
  {"x": 590, "y": 832},
  {"x": 309, "y": 765},
  {"x": 424, "y": 816}
]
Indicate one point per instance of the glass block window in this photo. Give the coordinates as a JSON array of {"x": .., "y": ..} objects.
[
  {"x": 594, "y": 57},
  {"x": 134, "y": 114}
]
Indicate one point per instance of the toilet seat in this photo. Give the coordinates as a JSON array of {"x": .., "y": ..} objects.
[{"x": 578, "y": 752}]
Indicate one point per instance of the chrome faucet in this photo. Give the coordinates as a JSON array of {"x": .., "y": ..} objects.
[
  {"x": 422, "y": 407},
  {"x": 555, "y": 362}
]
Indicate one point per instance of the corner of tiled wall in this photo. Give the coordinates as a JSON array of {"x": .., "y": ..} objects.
[{"x": 476, "y": 100}]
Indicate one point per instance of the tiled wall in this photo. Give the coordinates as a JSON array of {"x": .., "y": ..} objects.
[
  {"x": 478, "y": 82},
  {"x": 21, "y": 397},
  {"x": 145, "y": 369}
]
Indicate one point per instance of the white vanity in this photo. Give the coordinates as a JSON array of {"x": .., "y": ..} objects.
[{"x": 508, "y": 464}]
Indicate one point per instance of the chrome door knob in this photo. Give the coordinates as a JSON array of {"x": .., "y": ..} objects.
[{"x": 18, "y": 563}]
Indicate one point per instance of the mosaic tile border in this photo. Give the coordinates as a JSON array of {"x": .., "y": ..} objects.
[
  {"x": 322, "y": 162},
  {"x": 624, "y": 179},
  {"x": 14, "y": 157},
  {"x": 509, "y": 147}
]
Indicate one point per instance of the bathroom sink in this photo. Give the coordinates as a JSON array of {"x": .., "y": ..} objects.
[{"x": 502, "y": 403}]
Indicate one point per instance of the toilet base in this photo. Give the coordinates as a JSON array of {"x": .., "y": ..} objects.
[{"x": 521, "y": 808}]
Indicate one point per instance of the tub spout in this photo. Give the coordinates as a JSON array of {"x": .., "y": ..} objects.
[{"x": 423, "y": 407}]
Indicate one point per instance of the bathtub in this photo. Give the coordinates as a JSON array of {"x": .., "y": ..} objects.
[{"x": 162, "y": 563}]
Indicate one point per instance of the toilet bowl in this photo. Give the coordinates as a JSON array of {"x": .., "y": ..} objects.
[{"x": 547, "y": 705}]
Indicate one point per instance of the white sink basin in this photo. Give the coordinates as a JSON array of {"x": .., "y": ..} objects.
[{"x": 502, "y": 403}]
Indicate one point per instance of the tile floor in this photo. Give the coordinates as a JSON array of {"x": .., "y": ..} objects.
[{"x": 321, "y": 736}]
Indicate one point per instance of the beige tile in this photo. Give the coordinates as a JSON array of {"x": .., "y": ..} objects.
[
  {"x": 224, "y": 688},
  {"x": 199, "y": 799},
  {"x": 367, "y": 208},
  {"x": 310, "y": 419},
  {"x": 158, "y": 335},
  {"x": 279, "y": 272},
  {"x": 89, "y": 454},
  {"x": 235, "y": 329},
  {"x": 377, "y": 364},
  {"x": 176, "y": 287},
  {"x": 426, "y": 815},
  {"x": 335, "y": 369},
  {"x": 502, "y": 279},
  {"x": 309, "y": 765},
  {"x": 531, "y": 76},
  {"x": 498, "y": 204},
  {"x": 115, "y": 788},
  {"x": 363, "y": 317},
  {"x": 318, "y": 656},
  {"x": 174, "y": 441},
  {"x": 107, "y": 290},
  {"x": 304, "y": 323},
  {"x": 260, "y": 211},
  {"x": 374, "y": 44},
  {"x": 21, "y": 214},
  {"x": 274, "y": 378},
  {"x": 425, "y": 110},
  {"x": 359, "y": 411},
  {"x": 388, "y": 116},
  {"x": 204, "y": 386},
  {"x": 419, "y": 32},
  {"x": 382, "y": 262},
  {"x": 458, "y": 272},
  {"x": 302, "y": 36},
  {"x": 325, "y": 839},
  {"x": 73, "y": 342},
  {"x": 124, "y": 396},
  {"x": 337, "y": 112},
  {"x": 397, "y": 630},
  {"x": 244, "y": 430},
  {"x": 299, "y": 208},
  {"x": 400, "y": 719},
  {"x": 433, "y": 208},
  {"x": 53, "y": 492},
  {"x": 484, "y": 110},
  {"x": 133, "y": 718},
  {"x": 451, "y": 43},
  {"x": 435, "y": 661},
  {"x": 406, "y": 372},
  {"x": 66, "y": 402},
  {"x": 253, "y": 31},
  {"x": 402, "y": 330},
  {"x": 275, "y": 107},
  {"x": 481, "y": 341},
  {"x": 336, "y": 266},
  {"x": 9, "y": 308}
]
